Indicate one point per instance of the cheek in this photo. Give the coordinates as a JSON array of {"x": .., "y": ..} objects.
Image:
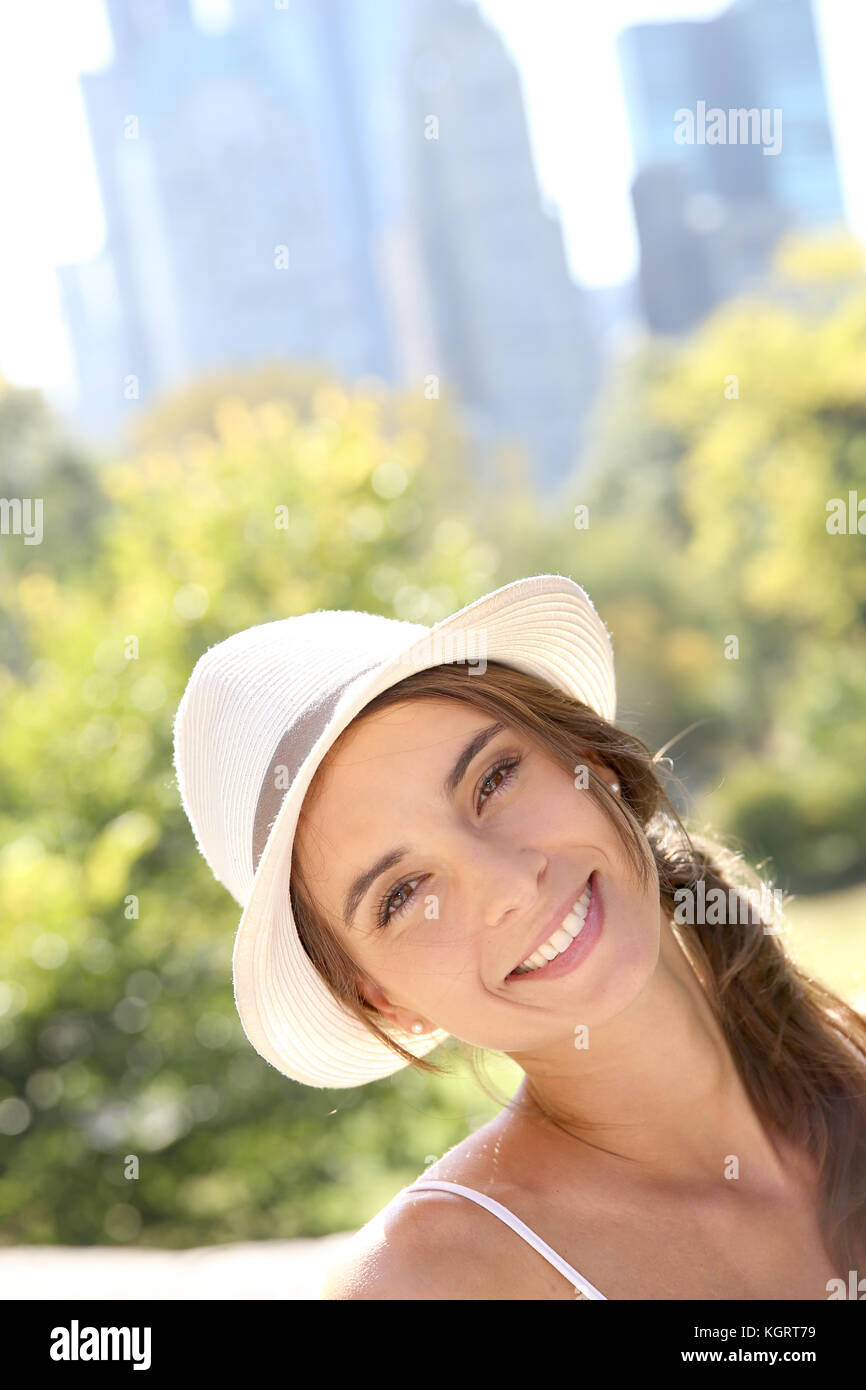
[
  {"x": 630, "y": 946},
  {"x": 431, "y": 961},
  {"x": 565, "y": 814}
]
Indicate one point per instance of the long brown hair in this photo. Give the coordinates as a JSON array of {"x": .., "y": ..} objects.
[{"x": 799, "y": 1048}]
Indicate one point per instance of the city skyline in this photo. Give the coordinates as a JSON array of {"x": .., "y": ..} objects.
[
  {"x": 278, "y": 194},
  {"x": 33, "y": 345}
]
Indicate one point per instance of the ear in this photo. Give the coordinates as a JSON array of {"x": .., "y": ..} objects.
[
  {"x": 375, "y": 996},
  {"x": 602, "y": 770},
  {"x": 402, "y": 1018}
]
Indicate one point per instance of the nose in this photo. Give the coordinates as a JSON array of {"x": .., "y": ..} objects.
[{"x": 501, "y": 879}]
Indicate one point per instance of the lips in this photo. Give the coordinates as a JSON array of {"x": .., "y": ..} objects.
[{"x": 546, "y": 932}]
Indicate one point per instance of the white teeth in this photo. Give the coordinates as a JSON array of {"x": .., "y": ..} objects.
[{"x": 562, "y": 938}]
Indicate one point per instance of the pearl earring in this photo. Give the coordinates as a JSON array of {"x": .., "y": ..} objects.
[
  {"x": 417, "y": 1026},
  {"x": 614, "y": 786}
]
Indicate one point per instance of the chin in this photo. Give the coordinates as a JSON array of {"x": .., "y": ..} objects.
[{"x": 626, "y": 972}]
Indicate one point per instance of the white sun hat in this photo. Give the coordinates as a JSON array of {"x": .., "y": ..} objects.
[{"x": 260, "y": 712}]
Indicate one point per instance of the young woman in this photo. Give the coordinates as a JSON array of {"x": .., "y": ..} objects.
[{"x": 476, "y": 850}]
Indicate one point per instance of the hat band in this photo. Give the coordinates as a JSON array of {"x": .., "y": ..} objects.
[{"x": 291, "y": 752}]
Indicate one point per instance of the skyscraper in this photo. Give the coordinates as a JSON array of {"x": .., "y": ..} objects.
[
  {"x": 223, "y": 240},
  {"x": 511, "y": 327},
  {"x": 271, "y": 191},
  {"x": 774, "y": 166}
]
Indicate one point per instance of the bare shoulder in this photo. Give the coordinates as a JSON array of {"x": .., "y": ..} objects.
[
  {"x": 429, "y": 1244},
  {"x": 420, "y": 1246}
]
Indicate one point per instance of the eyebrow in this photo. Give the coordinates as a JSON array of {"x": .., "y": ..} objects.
[{"x": 359, "y": 886}]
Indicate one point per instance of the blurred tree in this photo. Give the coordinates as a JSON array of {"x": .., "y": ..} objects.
[
  {"x": 117, "y": 1020},
  {"x": 38, "y": 461},
  {"x": 712, "y": 557},
  {"x": 278, "y": 491}
]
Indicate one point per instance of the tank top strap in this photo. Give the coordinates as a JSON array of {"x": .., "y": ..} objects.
[{"x": 582, "y": 1285}]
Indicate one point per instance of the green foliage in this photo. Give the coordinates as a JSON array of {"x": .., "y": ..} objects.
[
  {"x": 716, "y": 463},
  {"x": 249, "y": 498},
  {"x": 119, "y": 1030}
]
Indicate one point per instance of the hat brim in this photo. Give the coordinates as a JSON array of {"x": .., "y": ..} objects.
[{"x": 545, "y": 626}]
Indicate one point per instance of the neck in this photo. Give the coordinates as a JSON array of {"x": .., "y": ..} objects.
[{"x": 656, "y": 1092}]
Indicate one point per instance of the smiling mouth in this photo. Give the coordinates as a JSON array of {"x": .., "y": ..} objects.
[{"x": 573, "y": 923}]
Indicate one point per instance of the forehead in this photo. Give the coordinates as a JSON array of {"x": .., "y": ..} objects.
[
  {"x": 384, "y": 767},
  {"x": 428, "y": 730}
]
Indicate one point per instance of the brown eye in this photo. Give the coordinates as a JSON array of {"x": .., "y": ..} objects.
[
  {"x": 398, "y": 899},
  {"x": 504, "y": 770},
  {"x": 395, "y": 900},
  {"x": 393, "y": 903}
]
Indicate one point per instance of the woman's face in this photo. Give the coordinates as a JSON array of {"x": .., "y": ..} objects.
[{"x": 443, "y": 850}]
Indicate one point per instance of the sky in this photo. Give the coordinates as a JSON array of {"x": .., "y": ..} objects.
[{"x": 566, "y": 56}]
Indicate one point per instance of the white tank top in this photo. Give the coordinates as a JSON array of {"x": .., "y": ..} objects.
[{"x": 583, "y": 1286}]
